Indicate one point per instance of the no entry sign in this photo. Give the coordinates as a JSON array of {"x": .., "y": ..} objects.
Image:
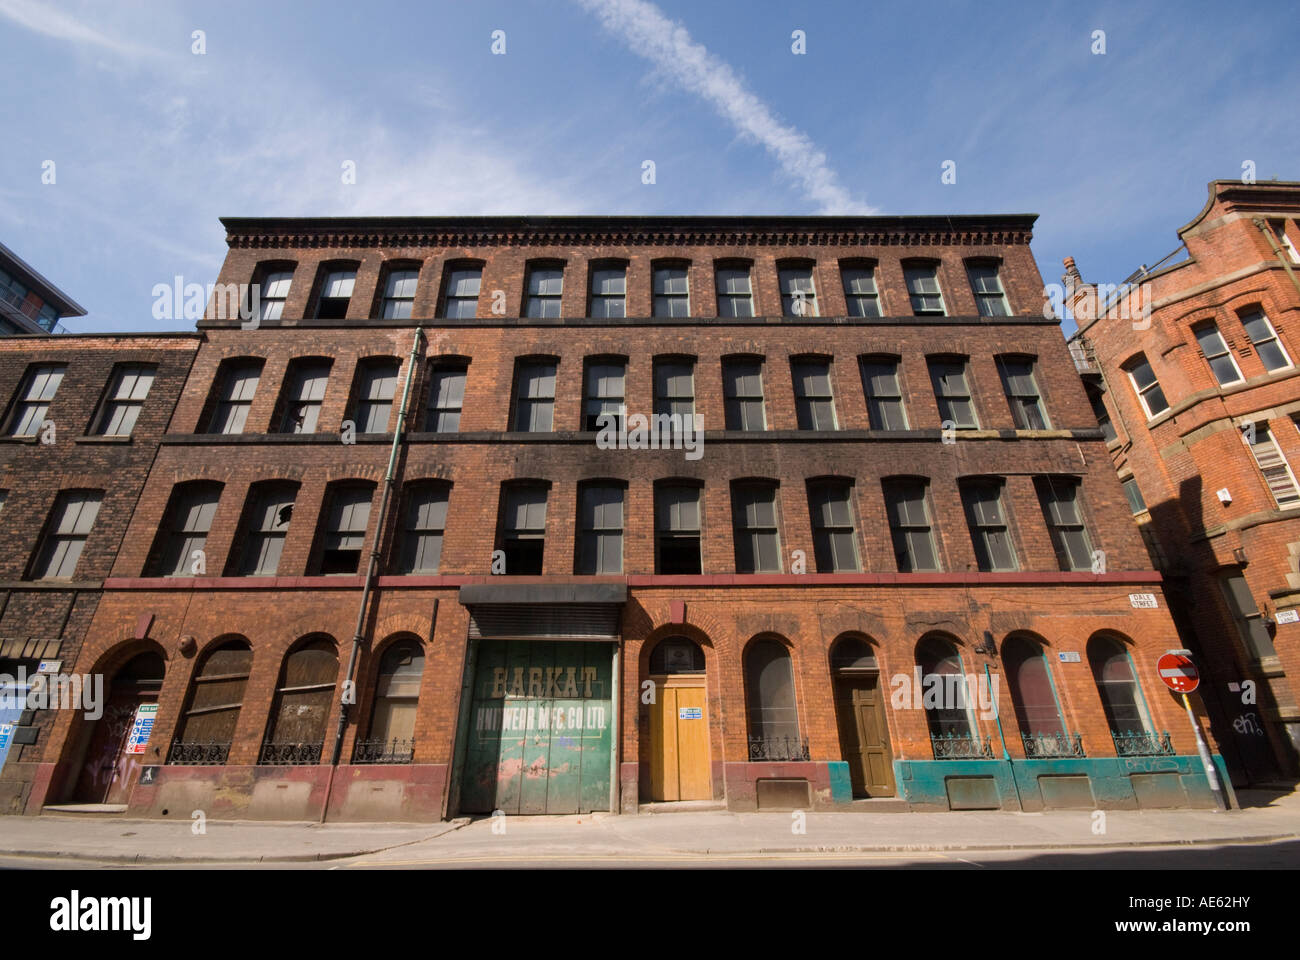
[{"x": 1178, "y": 672}]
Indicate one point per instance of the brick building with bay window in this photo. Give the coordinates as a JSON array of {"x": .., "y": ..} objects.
[
  {"x": 1194, "y": 379},
  {"x": 384, "y": 567}
]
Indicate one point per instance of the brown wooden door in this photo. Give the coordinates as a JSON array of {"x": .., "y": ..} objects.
[
  {"x": 864, "y": 735},
  {"x": 679, "y": 742}
]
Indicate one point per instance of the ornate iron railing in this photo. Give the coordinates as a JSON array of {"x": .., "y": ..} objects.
[
  {"x": 197, "y": 752},
  {"x": 777, "y": 748},
  {"x": 290, "y": 753},
  {"x": 961, "y": 746},
  {"x": 1052, "y": 745},
  {"x": 1131, "y": 744},
  {"x": 383, "y": 751}
]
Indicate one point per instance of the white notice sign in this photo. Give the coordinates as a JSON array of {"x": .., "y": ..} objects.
[{"x": 1143, "y": 600}]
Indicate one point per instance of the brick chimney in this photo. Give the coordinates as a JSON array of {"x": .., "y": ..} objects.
[{"x": 1080, "y": 297}]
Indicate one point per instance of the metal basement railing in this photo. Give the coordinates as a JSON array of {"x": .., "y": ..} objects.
[
  {"x": 1131, "y": 744},
  {"x": 961, "y": 746},
  {"x": 777, "y": 748},
  {"x": 1052, "y": 745},
  {"x": 383, "y": 751}
]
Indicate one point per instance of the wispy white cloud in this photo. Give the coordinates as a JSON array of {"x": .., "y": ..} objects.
[
  {"x": 668, "y": 45},
  {"x": 51, "y": 22}
]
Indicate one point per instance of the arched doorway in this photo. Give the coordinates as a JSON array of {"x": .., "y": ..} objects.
[
  {"x": 112, "y": 755},
  {"x": 679, "y": 723},
  {"x": 860, "y": 715}
]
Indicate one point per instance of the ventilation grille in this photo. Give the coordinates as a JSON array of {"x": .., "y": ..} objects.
[{"x": 572, "y": 621}]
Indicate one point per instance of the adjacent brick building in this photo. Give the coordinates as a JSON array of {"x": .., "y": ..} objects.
[
  {"x": 83, "y": 420},
  {"x": 898, "y": 477},
  {"x": 1194, "y": 377}
]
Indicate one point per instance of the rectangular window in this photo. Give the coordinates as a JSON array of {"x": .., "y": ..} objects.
[
  {"x": 989, "y": 530},
  {"x": 126, "y": 395},
  {"x": 1102, "y": 414},
  {"x": 923, "y": 289},
  {"x": 675, "y": 390},
  {"x": 672, "y": 292},
  {"x": 677, "y": 523},
  {"x": 798, "y": 294},
  {"x": 987, "y": 286},
  {"x": 524, "y": 531},
  {"x": 235, "y": 398},
  {"x": 604, "y": 394},
  {"x": 446, "y": 398},
  {"x": 345, "y": 530},
  {"x": 860, "y": 294},
  {"x": 1271, "y": 352},
  {"x": 335, "y": 294},
  {"x": 834, "y": 538},
  {"x": 39, "y": 386},
  {"x": 188, "y": 523},
  {"x": 1273, "y": 465},
  {"x": 1284, "y": 240},
  {"x": 399, "y": 295},
  {"x": 1059, "y": 497},
  {"x": 307, "y": 382},
  {"x": 814, "y": 405},
  {"x": 884, "y": 395},
  {"x": 1250, "y": 623},
  {"x": 1147, "y": 387},
  {"x": 461, "y": 300},
  {"x": 735, "y": 298},
  {"x": 909, "y": 526},
  {"x": 1134, "y": 495},
  {"x": 70, "y": 524},
  {"x": 600, "y": 530},
  {"x": 609, "y": 292},
  {"x": 1217, "y": 354},
  {"x": 758, "y": 543},
  {"x": 545, "y": 288},
  {"x": 952, "y": 393},
  {"x": 742, "y": 389},
  {"x": 534, "y": 397},
  {"x": 426, "y": 519},
  {"x": 376, "y": 388},
  {"x": 273, "y": 291},
  {"x": 1022, "y": 393},
  {"x": 268, "y": 525}
]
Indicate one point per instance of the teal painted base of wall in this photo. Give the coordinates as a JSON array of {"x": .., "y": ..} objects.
[
  {"x": 1115, "y": 783},
  {"x": 841, "y": 785}
]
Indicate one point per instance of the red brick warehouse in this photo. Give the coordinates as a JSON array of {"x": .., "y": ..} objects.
[{"x": 899, "y": 477}]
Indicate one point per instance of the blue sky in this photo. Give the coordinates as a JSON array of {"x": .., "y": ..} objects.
[{"x": 153, "y": 143}]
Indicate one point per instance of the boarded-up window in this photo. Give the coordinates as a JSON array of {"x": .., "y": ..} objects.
[
  {"x": 189, "y": 517},
  {"x": 426, "y": 518},
  {"x": 397, "y": 695},
  {"x": 207, "y": 726},
  {"x": 757, "y": 539},
  {"x": 268, "y": 525},
  {"x": 302, "y": 704},
  {"x": 345, "y": 529}
]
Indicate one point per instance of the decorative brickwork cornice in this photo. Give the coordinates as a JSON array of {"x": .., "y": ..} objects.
[{"x": 440, "y": 233}]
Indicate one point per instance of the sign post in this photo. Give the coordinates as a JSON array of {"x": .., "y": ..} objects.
[{"x": 1180, "y": 675}]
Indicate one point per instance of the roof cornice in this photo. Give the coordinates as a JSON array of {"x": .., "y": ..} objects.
[{"x": 434, "y": 232}]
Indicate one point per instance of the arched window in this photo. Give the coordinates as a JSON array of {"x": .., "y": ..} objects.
[
  {"x": 302, "y": 704},
  {"x": 676, "y": 655},
  {"x": 207, "y": 726},
  {"x": 1042, "y": 730},
  {"x": 397, "y": 693},
  {"x": 769, "y": 699},
  {"x": 1112, "y": 670},
  {"x": 947, "y": 701}
]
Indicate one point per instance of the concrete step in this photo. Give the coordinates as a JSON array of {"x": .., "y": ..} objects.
[
  {"x": 878, "y": 805},
  {"x": 78, "y": 809},
  {"x": 681, "y": 806}
]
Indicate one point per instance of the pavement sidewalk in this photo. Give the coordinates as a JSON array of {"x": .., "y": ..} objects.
[{"x": 1267, "y": 816}]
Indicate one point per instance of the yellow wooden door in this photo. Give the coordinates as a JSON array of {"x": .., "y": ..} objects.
[{"x": 679, "y": 743}]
